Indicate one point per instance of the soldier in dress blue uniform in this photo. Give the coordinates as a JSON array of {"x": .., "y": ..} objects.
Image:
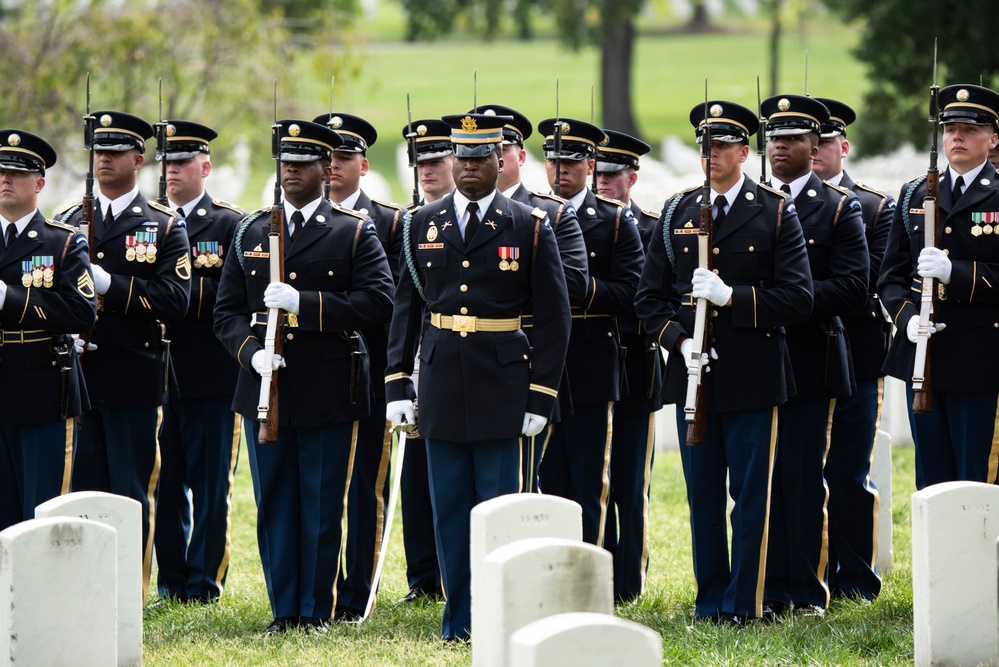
[
  {"x": 142, "y": 273},
  {"x": 475, "y": 261},
  {"x": 200, "y": 434},
  {"x": 434, "y": 159},
  {"x": 634, "y": 437},
  {"x": 46, "y": 294},
  {"x": 577, "y": 456},
  {"x": 337, "y": 283},
  {"x": 370, "y": 483},
  {"x": 957, "y": 439},
  {"x": 760, "y": 284},
  {"x": 833, "y": 228},
  {"x": 853, "y": 498},
  {"x": 571, "y": 248}
]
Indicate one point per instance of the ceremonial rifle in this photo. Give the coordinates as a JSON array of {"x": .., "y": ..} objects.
[
  {"x": 922, "y": 392},
  {"x": 694, "y": 408},
  {"x": 87, "y": 209},
  {"x": 326, "y": 181},
  {"x": 593, "y": 122},
  {"x": 557, "y": 187},
  {"x": 411, "y": 144},
  {"x": 267, "y": 405},
  {"x": 161, "y": 126},
  {"x": 761, "y": 134}
]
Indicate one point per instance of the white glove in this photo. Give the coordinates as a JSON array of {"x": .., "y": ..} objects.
[
  {"x": 283, "y": 296},
  {"x": 533, "y": 424},
  {"x": 913, "y": 326},
  {"x": 259, "y": 361},
  {"x": 686, "y": 347},
  {"x": 707, "y": 285},
  {"x": 102, "y": 279},
  {"x": 82, "y": 346},
  {"x": 934, "y": 263},
  {"x": 400, "y": 412},
  {"x": 3, "y": 292}
]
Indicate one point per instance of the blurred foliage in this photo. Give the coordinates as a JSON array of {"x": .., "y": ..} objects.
[{"x": 896, "y": 43}]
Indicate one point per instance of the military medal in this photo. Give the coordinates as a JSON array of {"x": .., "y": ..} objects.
[
  {"x": 984, "y": 221},
  {"x": 504, "y": 253},
  {"x": 130, "y": 248},
  {"x": 26, "y": 273},
  {"x": 987, "y": 229},
  {"x": 514, "y": 256},
  {"x": 151, "y": 254},
  {"x": 976, "y": 231},
  {"x": 48, "y": 271},
  {"x": 36, "y": 272}
]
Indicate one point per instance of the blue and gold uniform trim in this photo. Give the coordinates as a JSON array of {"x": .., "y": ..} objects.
[
  {"x": 233, "y": 458},
  {"x": 541, "y": 389}
]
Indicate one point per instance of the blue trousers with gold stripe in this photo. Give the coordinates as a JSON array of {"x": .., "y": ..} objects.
[
  {"x": 300, "y": 485},
  {"x": 798, "y": 548},
  {"x": 35, "y": 465},
  {"x": 462, "y": 475},
  {"x": 368, "y": 499},
  {"x": 532, "y": 451},
  {"x": 853, "y": 498},
  {"x": 576, "y": 463},
  {"x": 740, "y": 445},
  {"x": 958, "y": 440},
  {"x": 118, "y": 452},
  {"x": 627, "y": 534},
  {"x": 199, "y": 448},
  {"x": 422, "y": 569}
]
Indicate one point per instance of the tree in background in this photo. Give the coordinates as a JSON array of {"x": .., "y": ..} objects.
[
  {"x": 217, "y": 60},
  {"x": 608, "y": 24},
  {"x": 897, "y": 44}
]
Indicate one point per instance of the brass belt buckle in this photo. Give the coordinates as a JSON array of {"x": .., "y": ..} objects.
[{"x": 463, "y": 323}]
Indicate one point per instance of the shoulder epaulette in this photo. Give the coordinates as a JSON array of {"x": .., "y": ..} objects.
[
  {"x": 867, "y": 188},
  {"x": 162, "y": 209},
  {"x": 231, "y": 207},
  {"x": 350, "y": 212},
  {"x": 539, "y": 214},
  {"x": 649, "y": 213},
  {"x": 61, "y": 225},
  {"x": 842, "y": 191},
  {"x": 545, "y": 195},
  {"x": 69, "y": 212},
  {"x": 614, "y": 202},
  {"x": 919, "y": 178},
  {"x": 774, "y": 191},
  {"x": 387, "y": 204}
]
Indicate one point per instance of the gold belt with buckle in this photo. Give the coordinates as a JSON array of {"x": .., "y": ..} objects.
[
  {"x": 471, "y": 323},
  {"x": 21, "y": 336}
]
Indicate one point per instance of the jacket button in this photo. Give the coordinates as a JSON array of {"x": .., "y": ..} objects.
[
  {"x": 253, "y": 272},
  {"x": 292, "y": 275},
  {"x": 146, "y": 344},
  {"x": 464, "y": 288},
  {"x": 100, "y": 255},
  {"x": 464, "y": 311},
  {"x": 290, "y": 336},
  {"x": 330, "y": 273},
  {"x": 947, "y": 230},
  {"x": 463, "y": 334},
  {"x": 610, "y": 334},
  {"x": 465, "y": 264},
  {"x": 752, "y": 249},
  {"x": 429, "y": 264},
  {"x": 593, "y": 254},
  {"x": 714, "y": 271},
  {"x": 811, "y": 241},
  {"x": 715, "y": 251}
]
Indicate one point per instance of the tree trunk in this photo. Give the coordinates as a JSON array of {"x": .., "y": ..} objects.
[
  {"x": 699, "y": 19},
  {"x": 775, "y": 27},
  {"x": 615, "y": 75}
]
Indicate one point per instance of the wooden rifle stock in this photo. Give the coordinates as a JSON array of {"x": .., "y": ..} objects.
[
  {"x": 267, "y": 405},
  {"x": 695, "y": 412},
  {"x": 922, "y": 390}
]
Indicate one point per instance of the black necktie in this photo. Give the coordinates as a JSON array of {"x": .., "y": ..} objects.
[
  {"x": 106, "y": 220},
  {"x": 720, "y": 203},
  {"x": 786, "y": 189},
  {"x": 297, "y": 222},
  {"x": 958, "y": 188},
  {"x": 473, "y": 221},
  {"x": 10, "y": 236},
  {"x": 180, "y": 212}
]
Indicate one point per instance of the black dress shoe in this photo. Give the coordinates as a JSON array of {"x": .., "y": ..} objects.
[
  {"x": 314, "y": 626},
  {"x": 809, "y": 610},
  {"x": 773, "y": 610},
  {"x": 347, "y": 615},
  {"x": 419, "y": 594},
  {"x": 734, "y": 620},
  {"x": 281, "y": 625}
]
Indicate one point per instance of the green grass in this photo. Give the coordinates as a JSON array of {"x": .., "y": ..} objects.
[
  {"x": 668, "y": 80},
  {"x": 230, "y": 633}
]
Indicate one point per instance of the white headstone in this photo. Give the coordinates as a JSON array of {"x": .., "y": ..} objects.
[
  {"x": 59, "y": 583},
  {"x": 881, "y": 476},
  {"x": 954, "y": 597},
  {"x": 535, "y": 578},
  {"x": 585, "y": 639},
  {"x": 125, "y": 516},
  {"x": 513, "y": 517}
]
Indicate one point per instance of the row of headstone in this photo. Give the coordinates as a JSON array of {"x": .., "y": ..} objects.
[
  {"x": 74, "y": 574},
  {"x": 541, "y": 596}
]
